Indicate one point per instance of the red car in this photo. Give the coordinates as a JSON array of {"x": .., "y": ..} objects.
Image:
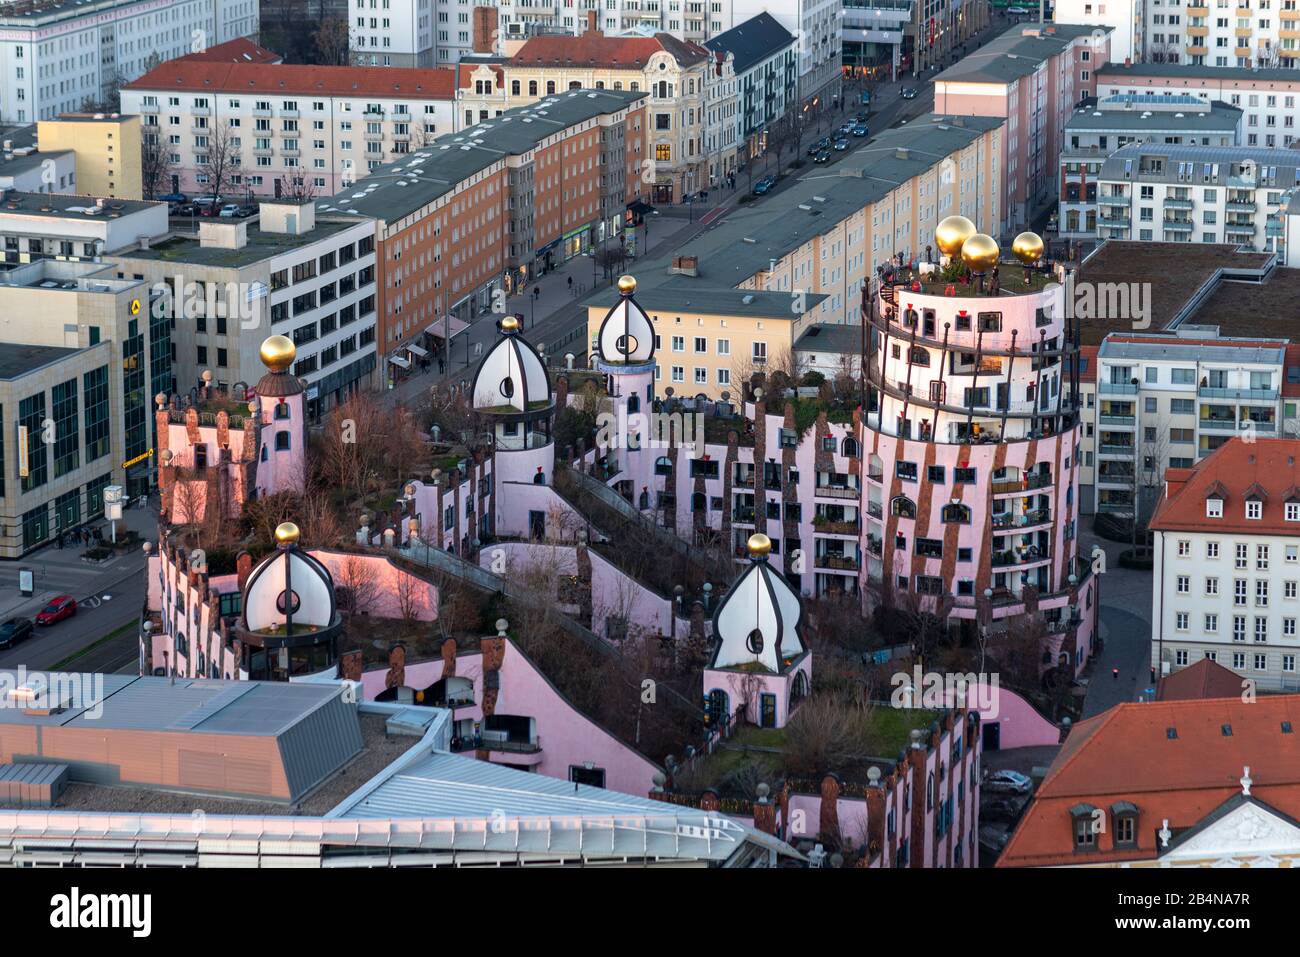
[{"x": 65, "y": 606}]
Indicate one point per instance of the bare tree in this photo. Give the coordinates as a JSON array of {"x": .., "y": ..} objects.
[
  {"x": 296, "y": 189},
  {"x": 826, "y": 734},
  {"x": 409, "y": 591},
  {"x": 155, "y": 166},
  {"x": 331, "y": 42},
  {"x": 187, "y": 499},
  {"x": 221, "y": 162},
  {"x": 358, "y": 586}
]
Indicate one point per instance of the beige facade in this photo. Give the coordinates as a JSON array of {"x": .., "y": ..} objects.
[{"x": 107, "y": 148}]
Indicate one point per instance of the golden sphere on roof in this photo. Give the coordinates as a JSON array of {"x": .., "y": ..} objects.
[
  {"x": 627, "y": 285},
  {"x": 509, "y": 324},
  {"x": 1028, "y": 248},
  {"x": 951, "y": 233},
  {"x": 980, "y": 252},
  {"x": 286, "y": 533},
  {"x": 278, "y": 353},
  {"x": 759, "y": 545}
]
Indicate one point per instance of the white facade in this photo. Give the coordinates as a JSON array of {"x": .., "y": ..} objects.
[
  {"x": 816, "y": 28},
  {"x": 325, "y": 139},
  {"x": 53, "y": 61},
  {"x": 1224, "y": 596},
  {"x": 1126, "y": 18},
  {"x": 1150, "y": 192},
  {"x": 401, "y": 32}
]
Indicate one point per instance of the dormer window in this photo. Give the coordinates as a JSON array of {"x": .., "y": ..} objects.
[
  {"x": 1214, "y": 508},
  {"x": 1086, "y": 825},
  {"x": 1255, "y": 510},
  {"x": 1293, "y": 511},
  {"x": 1125, "y": 816}
]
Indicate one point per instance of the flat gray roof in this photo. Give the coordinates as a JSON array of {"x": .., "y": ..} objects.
[
  {"x": 1017, "y": 53},
  {"x": 1228, "y": 158},
  {"x": 1190, "y": 71},
  {"x": 836, "y": 338},
  {"x": 68, "y": 205},
  {"x": 17, "y": 360},
  {"x": 1197, "y": 117},
  {"x": 1176, "y": 349},
  {"x": 185, "y": 248},
  {"x": 398, "y": 189},
  {"x": 23, "y": 138}
]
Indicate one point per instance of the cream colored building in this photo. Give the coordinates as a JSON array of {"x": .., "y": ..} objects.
[
  {"x": 107, "y": 146},
  {"x": 674, "y": 73},
  {"x": 751, "y": 286}
]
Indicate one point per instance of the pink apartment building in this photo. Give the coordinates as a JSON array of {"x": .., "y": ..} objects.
[{"x": 1034, "y": 75}]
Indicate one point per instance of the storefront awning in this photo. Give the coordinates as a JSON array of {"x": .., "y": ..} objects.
[
  {"x": 415, "y": 350},
  {"x": 400, "y": 362},
  {"x": 439, "y": 328},
  {"x": 640, "y": 208}
]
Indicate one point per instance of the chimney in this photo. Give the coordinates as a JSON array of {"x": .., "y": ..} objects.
[{"x": 593, "y": 25}]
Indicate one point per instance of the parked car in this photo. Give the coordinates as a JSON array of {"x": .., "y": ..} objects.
[
  {"x": 999, "y": 810},
  {"x": 184, "y": 209},
  {"x": 65, "y": 606},
  {"x": 1018, "y": 11},
  {"x": 822, "y": 144},
  {"x": 909, "y": 93},
  {"x": 230, "y": 211},
  {"x": 860, "y": 116},
  {"x": 1008, "y": 781},
  {"x": 14, "y": 630},
  {"x": 173, "y": 198},
  {"x": 841, "y": 145},
  {"x": 247, "y": 210},
  {"x": 823, "y": 156},
  {"x": 764, "y": 185},
  {"x": 846, "y": 128},
  {"x": 861, "y": 130}
]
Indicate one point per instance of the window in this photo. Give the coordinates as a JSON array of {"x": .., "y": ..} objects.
[
  {"x": 1211, "y": 622},
  {"x": 1255, "y": 509},
  {"x": 905, "y": 470},
  {"x": 1261, "y": 592},
  {"x": 1184, "y": 548},
  {"x": 1240, "y": 560},
  {"x": 1180, "y": 620},
  {"x": 1293, "y": 511},
  {"x": 1211, "y": 549},
  {"x": 1214, "y": 508},
  {"x": 1184, "y": 584},
  {"x": 1261, "y": 557},
  {"x": 1211, "y": 586}
]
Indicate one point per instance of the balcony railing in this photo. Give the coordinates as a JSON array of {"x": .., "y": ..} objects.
[
  {"x": 875, "y": 510},
  {"x": 1215, "y": 392},
  {"x": 1025, "y": 556},
  {"x": 1219, "y": 425},
  {"x": 1174, "y": 203},
  {"x": 828, "y": 527},
  {"x": 1117, "y": 419},
  {"x": 1117, "y": 388},
  {"x": 837, "y": 491},
  {"x": 1116, "y": 449},
  {"x": 1026, "y": 484},
  {"x": 745, "y": 515},
  {"x": 839, "y": 562},
  {"x": 1037, "y": 516},
  {"x": 475, "y": 742}
]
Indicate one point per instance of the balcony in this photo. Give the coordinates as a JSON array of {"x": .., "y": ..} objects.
[
  {"x": 289, "y": 114},
  {"x": 828, "y": 527},
  {"x": 837, "y": 491},
  {"x": 262, "y": 112},
  {"x": 1178, "y": 225},
  {"x": 487, "y": 741},
  {"x": 1021, "y": 555},
  {"x": 1122, "y": 202},
  {"x": 290, "y": 152},
  {"x": 1122, "y": 420},
  {"x": 1219, "y": 425},
  {"x": 744, "y": 516},
  {"x": 841, "y": 563},
  {"x": 1239, "y": 229},
  {"x": 1114, "y": 221},
  {"x": 743, "y": 481},
  {"x": 1115, "y": 478},
  {"x": 875, "y": 510},
  {"x": 149, "y": 108},
  {"x": 1176, "y": 203},
  {"x": 1124, "y": 450},
  {"x": 1255, "y": 395},
  {"x": 1026, "y": 484},
  {"x": 1117, "y": 388},
  {"x": 1036, "y": 516}
]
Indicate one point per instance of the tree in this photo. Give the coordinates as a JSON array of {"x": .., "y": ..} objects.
[
  {"x": 351, "y": 447},
  {"x": 611, "y": 258},
  {"x": 827, "y": 733},
  {"x": 155, "y": 167},
  {"x": 331, "y": 42},
  {"x": 221, "y": 162},
  {"x": 357, "y": 586},
  {"x": 297, "y": 189},
  {"x": 410, "y": 596}
]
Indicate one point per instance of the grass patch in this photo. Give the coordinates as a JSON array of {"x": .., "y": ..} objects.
[{"x": 116, "y": 633}]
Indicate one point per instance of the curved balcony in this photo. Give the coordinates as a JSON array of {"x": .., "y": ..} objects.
[{"x": 1064, "y": 410}]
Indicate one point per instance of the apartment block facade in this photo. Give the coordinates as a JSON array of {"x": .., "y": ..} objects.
[
  {"x": 1033, "y": 76},
  {"x": 290, "y": 129},
  {"x": 54, "y": 57},
  {"x": 1197, "y": 194}
]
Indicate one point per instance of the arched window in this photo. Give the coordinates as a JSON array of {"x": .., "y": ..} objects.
[
  {"x": 903, "y": 506},
  {"x": 663, "y": 465},
  {"x": 264, "y": 453},
  {"x": 699, "y": 502},
  {"x": 718, "y": 707},
  {"x": 918, "y": 356},
  {"x": 282, "y": 440},
  {"x": 644, "y": 499},
  {"x": 282, "y": 410},
  {"x": 956, "y": 513},
  {"x": 850, "y": 447},
  {"x": 929, "y": 791},
  {"x": 633, "y": 404}
]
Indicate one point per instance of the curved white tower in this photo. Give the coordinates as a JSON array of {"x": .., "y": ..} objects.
[{"x": 625, "y": 354}]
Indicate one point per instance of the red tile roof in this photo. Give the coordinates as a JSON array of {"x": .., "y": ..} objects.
[
  {"x": 1205, "y": 679},
  {"x": 1127, "y": 754},
  {"x": 239, "y": 50},
  {"x": 1088, "y": 363},
  {"x": 1234, "y": 470},
  {"x": 598, "y": 50},
  {"x": 282, "y": 78}
]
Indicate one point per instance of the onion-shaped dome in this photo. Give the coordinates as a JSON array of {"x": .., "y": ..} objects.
[
  {"x": 758, "y": 620},
  {"x": 512, "y": 376},
  {"x": 288, "y": 587},
  {"x": 627, "y": 334},
  {"x": 277, "y": 354}
]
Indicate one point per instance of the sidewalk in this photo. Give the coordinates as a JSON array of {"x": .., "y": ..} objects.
[{"x": 60, "y": 571}]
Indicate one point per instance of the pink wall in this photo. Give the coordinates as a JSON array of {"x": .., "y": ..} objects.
[
  {"x": 740, "y": 684},
  {"x": 1020, "y": 724},
  {"x": 567, "y": 737},
  {"x": 421, "y": 595}
]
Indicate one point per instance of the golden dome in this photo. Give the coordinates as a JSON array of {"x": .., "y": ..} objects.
[
  {"x": 951, "y": 233},
  {"x": 278, "y": 353},
  {"x": 980, "y": 252},
  {"x": 509, "y": 324},
  {"x": 1028, "y": 248},
  {"x": 286, "y": 533},
  {"x": 759, "y": 545},
  {"x": 627, "y": 285}
]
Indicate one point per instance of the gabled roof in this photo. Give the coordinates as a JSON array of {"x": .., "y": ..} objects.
[
  {"x": 1205, "y": 679},
  {"x": 1129, "y": 754},
  {"x": 1266, "y": 469},
  {"x": 754, "y": 41},
  {"x": 205, "y": 76},
  {"x": 598, "y": 50}
]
